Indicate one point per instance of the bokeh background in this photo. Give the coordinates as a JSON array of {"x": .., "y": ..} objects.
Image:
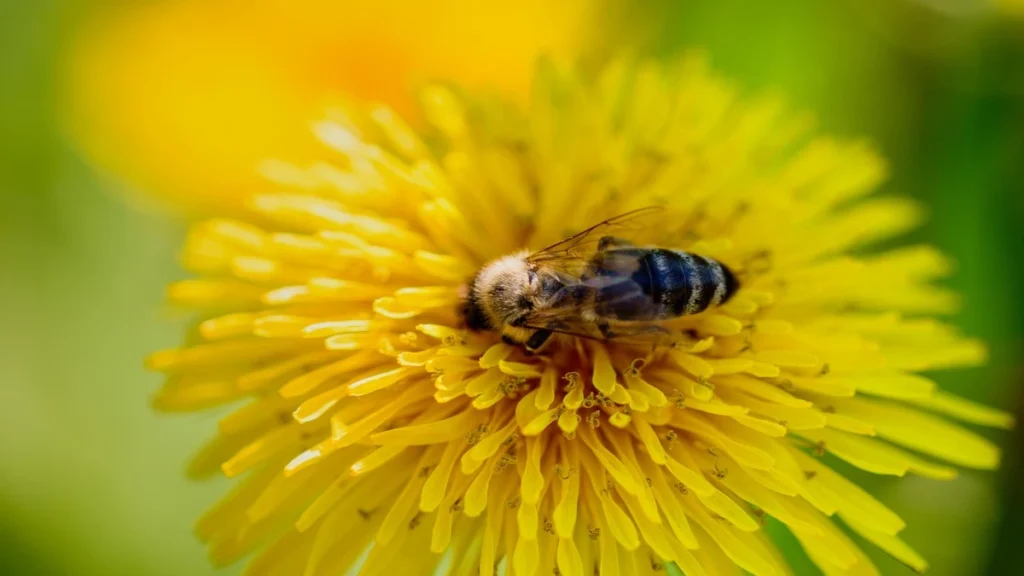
[{"x": 120, "y": 120}]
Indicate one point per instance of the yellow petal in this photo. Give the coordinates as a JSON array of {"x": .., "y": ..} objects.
[
  {"x": 966, "y": 410},
  {"x": 925, "y": 433},
  {"x": 439, "y": 432},
  {"x": 437, "y": 482}
]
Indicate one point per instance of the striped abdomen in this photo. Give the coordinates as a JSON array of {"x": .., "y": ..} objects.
[{"x": 663, "y": 284}]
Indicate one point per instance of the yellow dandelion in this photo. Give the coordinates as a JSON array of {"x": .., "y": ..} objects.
[{"x": 378, "y": 433}]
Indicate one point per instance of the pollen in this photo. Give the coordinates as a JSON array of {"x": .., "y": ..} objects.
[{"x": 371, "y": 430}]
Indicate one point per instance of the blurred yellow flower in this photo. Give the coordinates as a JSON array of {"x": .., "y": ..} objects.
[
  {"x": 185, "y": 97},
  {"x": 378, "y": 431},
  {"x": 1012, "y": 7}
]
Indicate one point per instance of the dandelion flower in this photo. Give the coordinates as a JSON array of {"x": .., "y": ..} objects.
[{"x": 377, "y": 433}]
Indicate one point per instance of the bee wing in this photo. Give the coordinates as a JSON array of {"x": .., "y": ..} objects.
[
  {"x": 572, "y": 254},
  {"x": 583, "y": 319},
  {"x": 615, "y": 242}
]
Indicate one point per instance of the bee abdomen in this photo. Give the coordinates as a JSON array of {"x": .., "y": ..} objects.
[{"x": 682, "y": 283}]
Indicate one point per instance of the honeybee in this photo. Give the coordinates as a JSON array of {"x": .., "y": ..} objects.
[{"x": 595, "y": 284}]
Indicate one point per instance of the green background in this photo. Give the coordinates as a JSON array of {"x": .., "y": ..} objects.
[{"x": 91, "y": 481}]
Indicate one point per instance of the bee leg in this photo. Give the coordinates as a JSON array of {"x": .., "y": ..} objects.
[
  {"x": 607, "y": 242},
  {"x": 537, "y": 341},
  {"x": 510, "y": 340}
]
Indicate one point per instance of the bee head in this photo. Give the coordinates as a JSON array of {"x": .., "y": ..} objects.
[{"x": 506, "y": 290}]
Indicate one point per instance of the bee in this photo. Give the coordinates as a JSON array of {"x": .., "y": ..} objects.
[{"x": 596, "y": 284}]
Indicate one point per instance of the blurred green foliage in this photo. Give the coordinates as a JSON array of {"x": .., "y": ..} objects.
[{"x": 91, "y": 482}]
